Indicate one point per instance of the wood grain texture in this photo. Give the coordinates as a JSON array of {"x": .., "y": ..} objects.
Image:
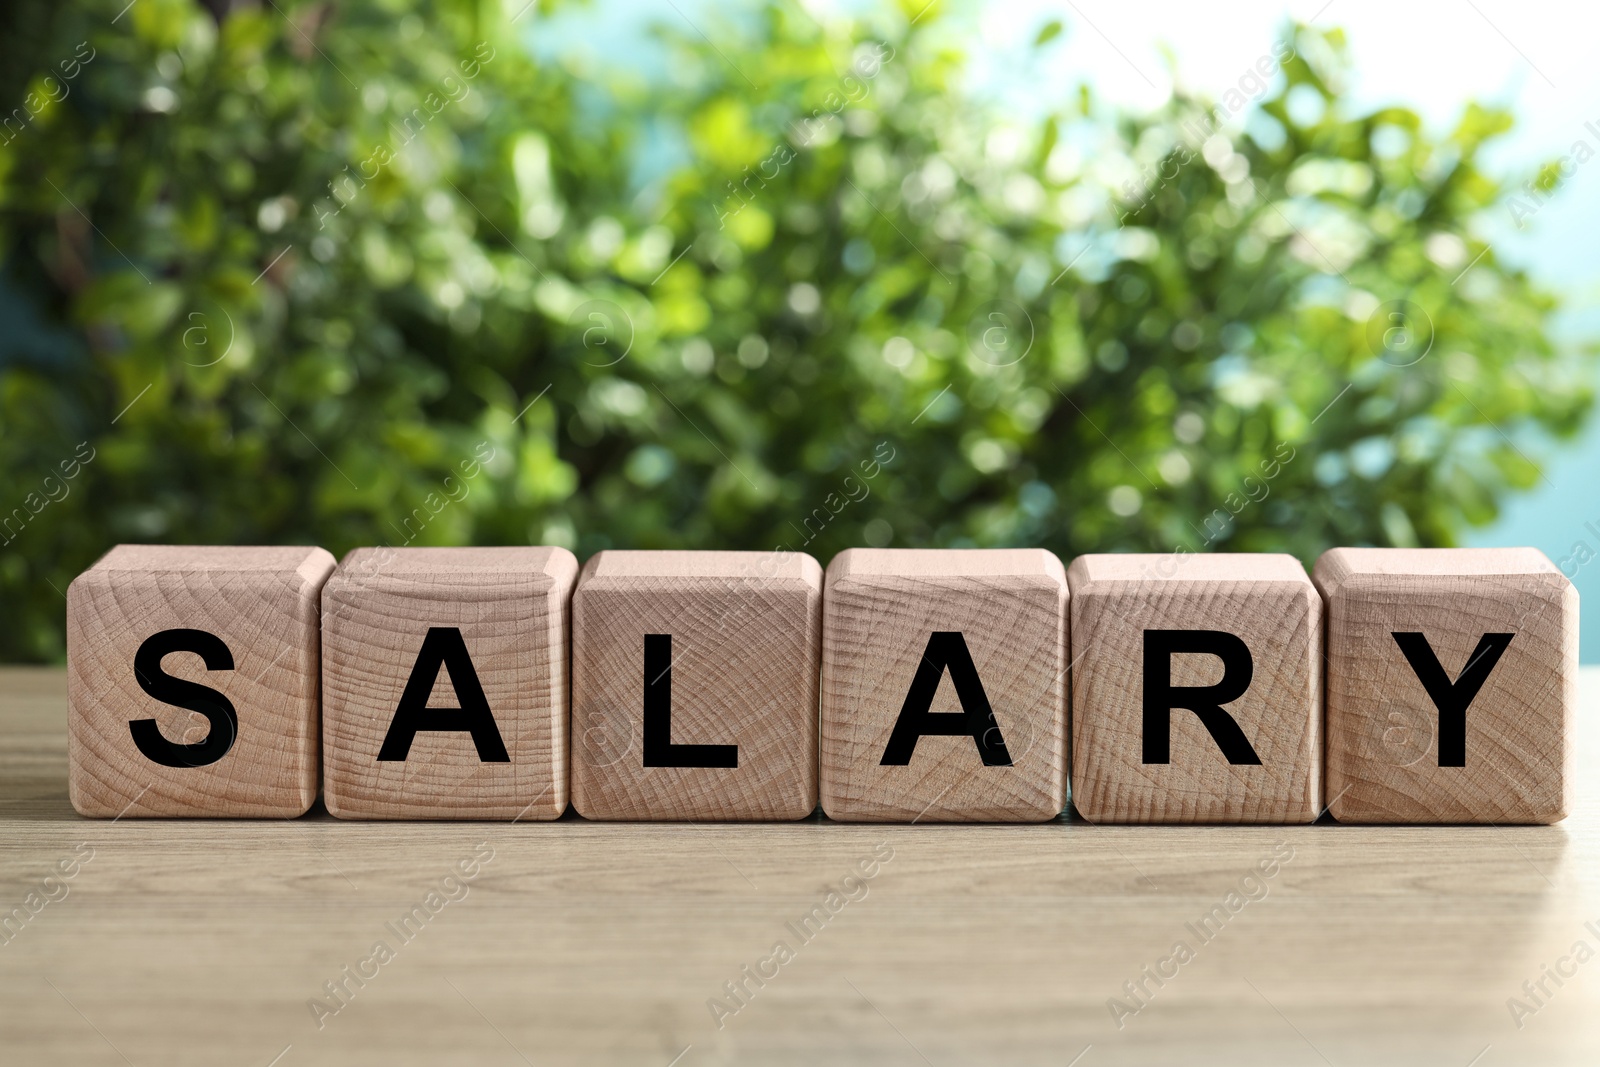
[
  {"x": 193, "y": 943},
  {"x": 1269, "y": 603},
  {"x": 746, "y": 638},
  {"x": 881, "y": 606},
  {"x": 1383, "y": 726},
  {"x": 511, "y": 607},
  {"x": 262, "y": 604}
]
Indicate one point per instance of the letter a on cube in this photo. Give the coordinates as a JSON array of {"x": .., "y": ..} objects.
[
  {"x": 944, "y": 686},
  {"x": 1196, "y": 689},
  {"x": 444, "y": 683},
  {"x": 1452, "y": 685},
  {"x": 192, "y": 681}
]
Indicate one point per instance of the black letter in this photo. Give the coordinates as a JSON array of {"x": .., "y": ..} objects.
[
  {"x": 444, "y": 647},
  {"x": 946, "y": 649},
  {"x": 1161, "y": 696},
  {"x": 1452, "y": 698},
  {"x": 181, "y": 694},
  {"x": 659, "y": 751}
]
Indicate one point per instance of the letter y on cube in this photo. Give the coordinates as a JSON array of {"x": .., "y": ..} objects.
[{"x": 1452, "y": 685}]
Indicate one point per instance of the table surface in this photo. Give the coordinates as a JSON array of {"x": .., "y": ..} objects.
[{"x": 179, "y": 942}]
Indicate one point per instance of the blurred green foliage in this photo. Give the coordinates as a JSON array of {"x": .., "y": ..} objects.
[{"x": 369, "y": 273}]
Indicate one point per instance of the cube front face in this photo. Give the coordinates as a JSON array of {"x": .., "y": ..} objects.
[
  {"x": 695, "y": 686},
  {"x": 944, "y": 686},
  {"x": 445, "y": 683},
  {"x": 192, "y": 682},
  {"x": 1154, "y": 637},
  {"x": 1452, "y": 678}
]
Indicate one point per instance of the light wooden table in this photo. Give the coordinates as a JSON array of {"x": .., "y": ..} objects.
[{"x": 202, "y": 942}]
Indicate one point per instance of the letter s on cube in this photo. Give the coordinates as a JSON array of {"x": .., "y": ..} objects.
[{"x": 192, "y": 681}]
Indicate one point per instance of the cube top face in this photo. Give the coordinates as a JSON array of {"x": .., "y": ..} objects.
[
  {"x": 1340, "y": 564},
  {"x": 312, "y": 564},
  {"x": 629, "y": 565},
  {"x": 944, "y": 686},
  {"x": 1156, "y": 636},
  {"x": 192, "y": 681},
  {"x": 921, "y": 564},
  {"x": 445, "y": 684},
  {"x": 1192, "y": 567},
  {"x": 478, "y": 566},
  {"x": 695, "y": 686},
  {"x": 1452, "y": 685}
]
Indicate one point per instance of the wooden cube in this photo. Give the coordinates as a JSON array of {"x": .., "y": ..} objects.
[
  {"x": 1452, "y": 685},
  {"x": 192, "y": 681},
  {"x": 444, "y": 683},
  {"x": 944, "y": 686},
  {"x": 695, "y": 685},
  {"x": 1196, "y": 689}
]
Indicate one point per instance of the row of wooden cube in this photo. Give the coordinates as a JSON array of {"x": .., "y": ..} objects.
[{"x": 1400, "y": 685}]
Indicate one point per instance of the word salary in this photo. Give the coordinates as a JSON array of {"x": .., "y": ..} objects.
[{"x": 900, "y": 685}]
